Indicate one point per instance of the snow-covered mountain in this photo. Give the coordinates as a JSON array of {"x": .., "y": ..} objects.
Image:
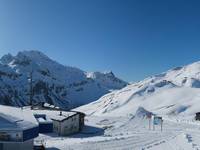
[
  {"x": 175, "y": 92},
  {"x": 52, "y": 82}
]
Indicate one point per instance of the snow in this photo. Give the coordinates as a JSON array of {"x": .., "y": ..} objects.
[
  {"x": 54, "y": 83},
  {"x": 53, "y": 114},
  {"x": 173, "y": 95},
  {"x": 107, "y": 79},
  {"x": 174, "y": 92},
  {"x": 16, "y": 118},
  {"x": 118, "y": 120},
  {"x": 164, "y": 101},
  {"x": 41, "y": 120},
  {"x": 127, "y": 133},
  {"x": 141, "y": 113}
]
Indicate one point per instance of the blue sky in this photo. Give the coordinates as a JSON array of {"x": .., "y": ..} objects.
[{"x": 133, "y": 38}]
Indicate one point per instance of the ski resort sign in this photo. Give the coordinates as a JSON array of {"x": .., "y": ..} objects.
[{"x": 157, "y": 120}]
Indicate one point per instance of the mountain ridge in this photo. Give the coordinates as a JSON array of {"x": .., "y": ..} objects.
[
  {"x": 54, "y": 83},
  {"x": 174, "y": 92}
]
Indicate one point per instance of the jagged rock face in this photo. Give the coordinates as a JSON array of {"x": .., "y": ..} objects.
[
  {"x": 107, "y": 79},
  {"x": 66, "y": 87}
]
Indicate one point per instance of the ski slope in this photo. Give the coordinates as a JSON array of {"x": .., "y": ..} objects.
[
  {"x": 116, "y": 121},
  {"x": 175, "y": 92},
  {"x": 130, "y": 133},
  {"x": 166, "y": 101}
]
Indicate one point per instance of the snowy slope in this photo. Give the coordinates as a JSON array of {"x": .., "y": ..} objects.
[
  {"x": 54, "y": 83},
  {"x": 129, "y": 133},
  {"x": 175, "y": 92},
  {"x": 117, "y": 121}
]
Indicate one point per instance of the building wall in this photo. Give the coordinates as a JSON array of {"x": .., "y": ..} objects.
[
  {"x": 30, "y": 133},
  {"x": 56, "y": 126},
  {"x": 11, "y": 136},
  {"x": 68, "y": 126},
  {"x": 45, "y": 127},
  {"x": 81, "y": 121},
  {"x": 27, "y": 145}
]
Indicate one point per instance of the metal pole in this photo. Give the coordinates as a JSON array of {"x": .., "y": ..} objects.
[
  {"x": 31, "y": 88},
  {"x": 149, "y": 123}
]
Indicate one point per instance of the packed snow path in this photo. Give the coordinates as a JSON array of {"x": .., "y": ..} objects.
[{"x": 134, "y": 134}]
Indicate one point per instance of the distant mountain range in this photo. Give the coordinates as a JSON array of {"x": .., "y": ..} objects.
[
  {"x": 175, "y": 92},
  {"x": 63, "y": 86}
]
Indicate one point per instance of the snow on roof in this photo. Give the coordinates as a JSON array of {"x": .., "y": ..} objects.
[
  {"x": 4, "y": 123},
  {"x": 61, "y": 117},
  {"x": 55, "y": 115},
  {"x": 13, "y": 118},
  {"x": 47, "y": 105},
  {"x": 42, "y": 118}
]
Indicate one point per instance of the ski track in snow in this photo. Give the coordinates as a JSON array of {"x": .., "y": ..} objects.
[
  {"x": 128, "y": 134},
  {"x": 172, "y": 93}
]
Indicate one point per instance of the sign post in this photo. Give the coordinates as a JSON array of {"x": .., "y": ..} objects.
[
  {"x": 149, "y": 118},
  {"x": 149, "y": 124}
]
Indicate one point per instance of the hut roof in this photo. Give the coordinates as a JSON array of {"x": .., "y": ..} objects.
[
  {"x": 13, "y": 118},
  {"x": 55, "y": 115}
]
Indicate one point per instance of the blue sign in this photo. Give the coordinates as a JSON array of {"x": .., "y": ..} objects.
[{"x": 157, "y": 120}]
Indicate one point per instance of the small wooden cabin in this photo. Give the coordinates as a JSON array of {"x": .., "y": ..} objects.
[
  {"x": 63, "y": 122},
  {"x": 66, "y": 123}
]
